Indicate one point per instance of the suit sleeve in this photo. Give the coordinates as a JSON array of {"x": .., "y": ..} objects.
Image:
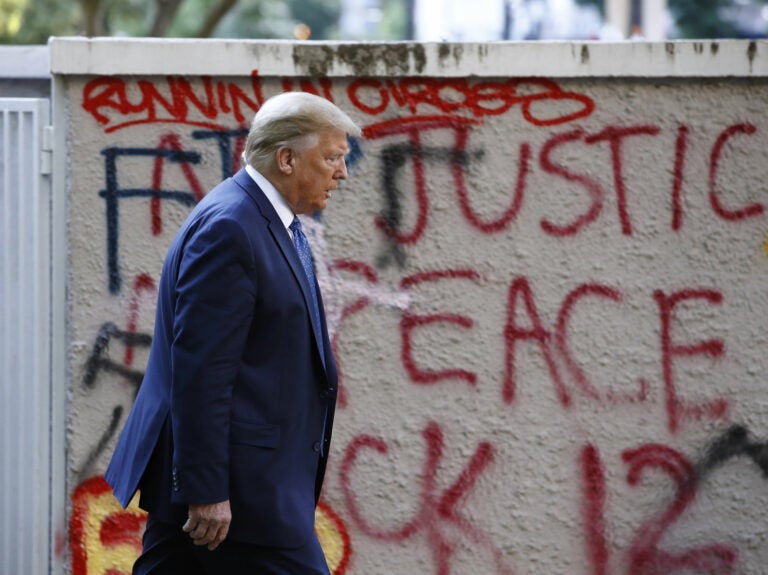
[{"x": 215, "y": 294}]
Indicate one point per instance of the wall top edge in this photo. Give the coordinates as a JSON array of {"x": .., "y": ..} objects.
[
  {"x": 145, "y": 56},
  {"x": 24, "y": 62}
]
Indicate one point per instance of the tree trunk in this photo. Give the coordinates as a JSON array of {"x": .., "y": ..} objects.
[
  {"x": 166, "y": 12},
  {"x": 92, "y": 17}
]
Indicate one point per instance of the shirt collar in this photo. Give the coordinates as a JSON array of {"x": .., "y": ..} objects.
[{"x": 284, "y": 212}]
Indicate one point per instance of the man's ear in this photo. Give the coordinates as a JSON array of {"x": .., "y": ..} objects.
[{"x": 285, "y": 160}]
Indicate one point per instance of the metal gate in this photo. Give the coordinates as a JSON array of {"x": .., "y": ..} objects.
[{"x": 25, "y": 346}]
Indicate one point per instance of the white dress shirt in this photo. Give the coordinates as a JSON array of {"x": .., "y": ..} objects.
[{"x": 275, "y": 198}]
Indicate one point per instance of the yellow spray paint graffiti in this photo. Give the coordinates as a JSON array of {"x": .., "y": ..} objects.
[{"x": 105, "y": 539}]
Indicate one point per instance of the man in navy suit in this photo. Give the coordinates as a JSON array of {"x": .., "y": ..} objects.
[{"x": 228, "y": 438}]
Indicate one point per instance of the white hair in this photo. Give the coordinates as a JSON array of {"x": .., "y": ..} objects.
[{"x": 292, "y": 119}]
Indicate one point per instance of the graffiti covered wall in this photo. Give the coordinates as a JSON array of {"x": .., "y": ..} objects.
[{"x": 547, "y": 297}]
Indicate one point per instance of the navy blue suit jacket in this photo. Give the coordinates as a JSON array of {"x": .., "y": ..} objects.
[{"x": 236, "y": 402}]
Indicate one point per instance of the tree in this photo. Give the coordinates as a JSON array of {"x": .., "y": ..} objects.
[
  {"x": 43, "y": 18},
  {"x": 36, "y": 20},
  {"x": 279, "y": 18},
  {"x": 695, "y": 18},
  {"x": 36, "y": 24},
  {"x": 322, "y": 16},
  {"x": 697, "y": 21},
  {"x": 12, "y": 11},
  {"x": 99, "y": 16},
  {"x": 599, "y": 4}
]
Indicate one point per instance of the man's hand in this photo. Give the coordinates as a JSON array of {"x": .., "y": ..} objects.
[{"x": 208, "y": 524}]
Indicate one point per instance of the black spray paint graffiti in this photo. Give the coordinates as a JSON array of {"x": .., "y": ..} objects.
[
  {"x": 114, "y": 193},
  {"x": 647, "y": 555},
  {"x": 224, "y": 140},
  {"x": 229, "y": 144},
  {"x": 734, "y": 442},
  {"x": 390, "y": 221},
  {"x": 98, "y": 362}
]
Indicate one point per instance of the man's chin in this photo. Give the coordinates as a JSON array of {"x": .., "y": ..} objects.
[{"x": 319, "y": 206}]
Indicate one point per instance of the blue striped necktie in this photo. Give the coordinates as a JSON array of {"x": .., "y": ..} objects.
[{"x": 305, "y": 255}]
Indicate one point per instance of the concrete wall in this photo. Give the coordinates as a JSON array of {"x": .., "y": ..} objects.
[{"x": 546, "y": 282}]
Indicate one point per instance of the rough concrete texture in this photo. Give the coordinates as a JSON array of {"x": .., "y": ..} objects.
[{"x": 547, "y": 299}]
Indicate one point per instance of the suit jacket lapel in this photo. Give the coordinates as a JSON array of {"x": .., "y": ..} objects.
[{"x": 283, "y": 240}]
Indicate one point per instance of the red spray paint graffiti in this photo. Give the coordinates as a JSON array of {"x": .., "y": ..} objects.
[
  {"x": 437, "y": 512},
  {"x": 572, "y": 366},
  {"x": 573, "y": 142},
  {"x": 593, "y": 511},
  {"x": 457, "y": 108},
  {"x": 645, "y": 556},
  {"x": 749, "y": 211},
  {"x": 513, "y": 333},
  {"x": 456, "y": 95},
  {"x": 410, "y": 322},
  {"x": 104, "y": 538},
  {"x": 676, "y": 407},
  {"x": 414, "y": 128},
  {"x": 113, "y": 103},
  {"x": 369, "y": 273},
  {"x": 524, "y": 325},
  {"x": 172, "y": 142},
  {"x": 142, "y": 284}
]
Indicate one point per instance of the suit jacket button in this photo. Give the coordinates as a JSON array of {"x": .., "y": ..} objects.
[
  {"x": 324, "y": 394},
  {"x": 316, "y": 447}
]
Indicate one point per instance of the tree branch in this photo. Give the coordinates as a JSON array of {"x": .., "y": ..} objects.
[{"x": 216, "y": 13}]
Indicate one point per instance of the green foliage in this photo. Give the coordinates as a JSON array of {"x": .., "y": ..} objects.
[
  {"x": 262, "y": 20},
  {"x": 34, "y": 21},
  {"x": 41, "y": 19},
  {"x": 596, "y": 3},
  {"x": 696, "y": 19},
  {"x": 322, "y": 16},
  {"x": 393, "y": 20},
  {"x": 11, "y": 12},
  {"x": 276, "y": 19},
  {"x": 127, "y": 17}
]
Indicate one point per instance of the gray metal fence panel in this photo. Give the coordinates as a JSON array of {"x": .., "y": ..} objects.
[{"x": 25, "y": 430}]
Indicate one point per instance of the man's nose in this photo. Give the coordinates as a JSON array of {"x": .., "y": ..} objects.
[{"x": 341, "y": 173}]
